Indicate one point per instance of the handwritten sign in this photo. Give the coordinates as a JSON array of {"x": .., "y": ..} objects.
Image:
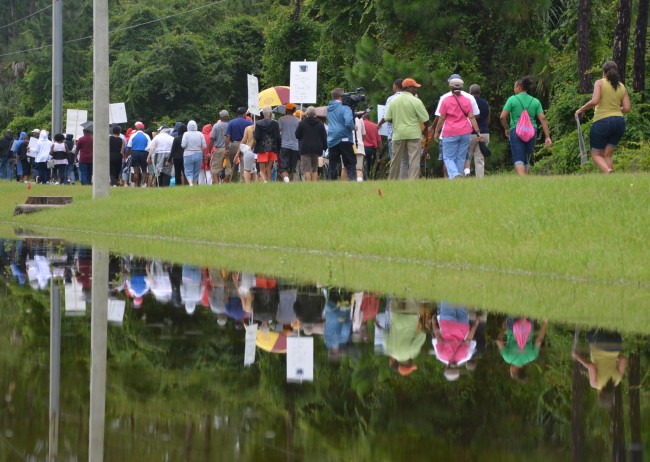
[
  {"x": 253, "y": 94},
  {"x": 117, "y": 114},
  {"x": 73, "y": 120},
  {"x": 381, "y": 110},
  {"x": 303, "y": 82},
  {"x": 249, "y": 346},
  {"x": 300, "y": 359}
]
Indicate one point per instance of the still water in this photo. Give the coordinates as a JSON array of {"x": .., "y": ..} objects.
[{"x": 208, "y": 364}]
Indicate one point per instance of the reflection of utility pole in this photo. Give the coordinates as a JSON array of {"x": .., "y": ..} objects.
[
  {"x": 98, "y": 346},
  {"x": 55, "y": 368},
  {"x": 57, "y": 66},
  {"x": 634, "y": 381},
  {"x": 100, "y": 99}
]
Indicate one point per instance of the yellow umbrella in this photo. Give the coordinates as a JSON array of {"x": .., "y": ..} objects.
[
  {"x": 274, "y": 96},
  {"x": 271, "y": 341}
]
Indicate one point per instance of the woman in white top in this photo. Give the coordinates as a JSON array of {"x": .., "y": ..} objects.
[
  {"x": 59, "y": 153},
  {"x": 41, "y": 156}
]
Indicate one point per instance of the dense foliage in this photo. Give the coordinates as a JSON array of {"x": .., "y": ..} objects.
[{"x": 173, "y": 60}]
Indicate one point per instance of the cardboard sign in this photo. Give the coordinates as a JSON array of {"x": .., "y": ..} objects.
[
  {"x": 253, "y": 94},
  {"x": 303, "y": 82},
  {"x": 381, "y": 110},
  {"x": 249, "y": 348},
  {"x": 73, "y": 120},
  {"x": 117, "y": 113},
  {"x": 300, "y": 359}
]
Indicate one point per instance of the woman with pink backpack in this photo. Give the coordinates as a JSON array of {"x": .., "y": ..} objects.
[
  {"x": 518, "y": 345},
  {"x": 522, "y": 109}
]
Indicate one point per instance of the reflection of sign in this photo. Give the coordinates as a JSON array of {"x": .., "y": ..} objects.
[
  {"x": 304, "y": 77},
  {"x": 116, "y": 310},
  {"x": 253, "y": 94},
  {"x": 380, "y": 325},
  {"x": 381, "y": 110},
  {"x": 300, "y": 359},
  {"x": 73, "y": 120},
  {"x": 249, "y": 348},
  {"x": 117, "y": 114},
  {"x": 75, "y": 302}
]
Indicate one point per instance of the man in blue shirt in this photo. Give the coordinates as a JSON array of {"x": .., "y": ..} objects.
[
  {"x": 339, "y": 136},
  {"x": 137, "y": 149},
  {"x": 235, "y": 133}
]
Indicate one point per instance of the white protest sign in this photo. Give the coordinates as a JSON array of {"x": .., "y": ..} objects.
[
  {"x": 253, "y": 94},
  {"x": 300, "y": 359},
  {"x": 303, "y": 81},
  {"x": 117, "y": 113},
  {"x": 32, "y": 146},
  {"x": 249, "y": 348},
  {"x": 381, "y": 110},
  {"x": 73, "y": 120},
  {"x": 380, "y": 325}
]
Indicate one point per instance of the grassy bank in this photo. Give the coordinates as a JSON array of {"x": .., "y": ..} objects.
[{"x": 537, "y": 246}]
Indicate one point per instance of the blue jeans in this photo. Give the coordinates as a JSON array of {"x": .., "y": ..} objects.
[
  {"x": 454, "y": 153},
  {"x": 4, "y": 161},
  {"x": 447, "y": 312},
  {"x": 522, "y": 151},
  {"x": 85, "y": 172},
  {"x": 43, "y": 172},
  {"x": 192, "y": 165},
  {"x": 70, "y": 173}
]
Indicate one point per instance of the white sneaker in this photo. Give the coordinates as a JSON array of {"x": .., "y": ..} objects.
[
  {"x": 466, "y": 172},
  {"x": 359, "y": 179}
]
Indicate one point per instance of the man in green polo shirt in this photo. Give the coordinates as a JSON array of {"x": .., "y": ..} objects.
[{"x": 407, "y": 114}]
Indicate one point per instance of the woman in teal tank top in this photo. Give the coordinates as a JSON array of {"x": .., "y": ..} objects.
[{"x": 611, "y": 101}]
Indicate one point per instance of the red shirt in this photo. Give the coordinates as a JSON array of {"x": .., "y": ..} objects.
[
  {"x": 371, "y": 139},
  {"x": 85, "y": 149}
]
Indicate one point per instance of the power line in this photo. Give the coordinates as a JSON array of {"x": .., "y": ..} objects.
[
  {"x": 120, "y": 29},
  {"x": 26, "y": 17}
]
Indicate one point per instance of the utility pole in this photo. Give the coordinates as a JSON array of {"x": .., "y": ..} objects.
[
  {"x": 100, "y": 99},
  {"x": 57, "y": 66}
]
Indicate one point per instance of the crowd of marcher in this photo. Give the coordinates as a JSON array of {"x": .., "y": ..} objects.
[{"x": 338, "y": 144}]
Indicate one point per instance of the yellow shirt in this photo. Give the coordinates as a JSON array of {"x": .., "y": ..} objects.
[
  {"x": 606, "y": 363},
  {"x": 610, "y": 101}
]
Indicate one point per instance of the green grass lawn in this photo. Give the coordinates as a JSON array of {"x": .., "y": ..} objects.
[{"x": 563, "y": 247}]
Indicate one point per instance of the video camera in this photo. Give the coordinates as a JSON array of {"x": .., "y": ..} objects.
[{"x": 353, "y": 98}]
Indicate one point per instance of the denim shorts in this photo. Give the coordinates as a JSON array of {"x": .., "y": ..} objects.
[
  {"x": 606, "y": 132},
  {"x": 521, "y": 151},
  {"x": 139, "y": 159}
]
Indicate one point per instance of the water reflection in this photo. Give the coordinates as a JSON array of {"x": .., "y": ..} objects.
[{"x": 388, "y": 373}]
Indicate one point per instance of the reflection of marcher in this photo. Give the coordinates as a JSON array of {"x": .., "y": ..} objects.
[
  {"x": 191, "y": 287},
  {"x": 519, "y": 348},
  {"x": 193, "y": 143},
  {"x": 606, "y": 365},
  {"x": 453, "y": 341},
  {"x": 611, "y": 100},
  {"x": 403, "y": 341},
  {"x": 309, "y": 309},
  {"x": 522, "y": 151},
  {"x": 338, "y": 325}
]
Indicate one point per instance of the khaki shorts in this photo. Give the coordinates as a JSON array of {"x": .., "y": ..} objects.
[
  {"x": 216, "y": 165},
  {"x": 309, "y": 163}
]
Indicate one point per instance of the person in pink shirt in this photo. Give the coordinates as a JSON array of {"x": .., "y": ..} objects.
[
  {"x": 457, "y": 118},
  {"x": 371, "y": 142}
]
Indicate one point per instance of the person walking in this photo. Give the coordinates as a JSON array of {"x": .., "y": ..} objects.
[
  {"x": 483, "y": 121},
  {"x": 137, "y": 147},
  {"x": 217, "y": 146},
  {"x": 116, "y": 151},
  {"x": 41, "y": 156},
  {"x": 20, "y": 153},
  {"x": 6, "y": 156},
  {"x": 611, "y": 100},
  {"x": 407, "y": 113},
  {"x": 193, "y": 144},
  {"x": 160, "y": 156},
  {"x": 177, "y": 154},
  {"x": 234, "y": 134},
  {"x": 340, "y": 136},
  {"x": 267, "y": 142},
  {"x": 59, "y": 154},
  {"x": 522, "y": 151},
  {"x": 289, "y": 150},
  {"x": 458, "y": 121},
  {"x": 84, "y": 149},
  {"x": 397, "y": 90},
  {"x": 371, "y": 142},
  {"x": 313, "y": 141}
]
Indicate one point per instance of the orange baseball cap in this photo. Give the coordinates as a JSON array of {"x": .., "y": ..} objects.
[{"x": 410, "y": 83}]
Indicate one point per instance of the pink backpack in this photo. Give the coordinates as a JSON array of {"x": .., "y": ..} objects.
[{"x": 525, "y": 130}]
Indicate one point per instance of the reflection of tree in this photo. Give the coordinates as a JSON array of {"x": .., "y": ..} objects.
[{"x": 577, "y": 411}]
